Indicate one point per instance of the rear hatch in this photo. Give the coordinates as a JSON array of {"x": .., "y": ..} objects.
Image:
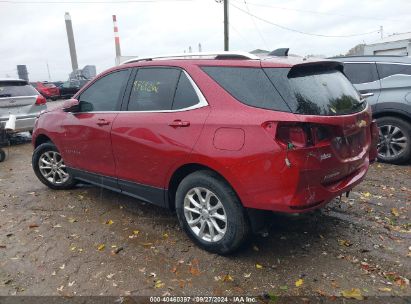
[
  {"x": 332, "y": 135},
  {"x": 17, "y": 98},
  {"x": 326, "y": 139}
]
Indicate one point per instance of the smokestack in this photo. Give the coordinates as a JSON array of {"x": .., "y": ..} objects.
[
  {"x": 116, "y": 40},
  {"x": 72, "y": 45},
  {"x": 22, "y": 71}
]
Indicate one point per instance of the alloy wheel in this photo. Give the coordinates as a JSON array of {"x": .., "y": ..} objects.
[
  {"x": 205, "y": 214},
  {"x": 392, "y": 141},
  {"x": 52, "y": 167}
]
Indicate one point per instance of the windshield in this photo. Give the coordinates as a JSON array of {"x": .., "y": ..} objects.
[
  {"x": 316, "y": 92},
  {"x": 16, "y": 88}
]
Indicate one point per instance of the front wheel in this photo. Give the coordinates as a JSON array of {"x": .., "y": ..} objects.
[
  {"x": 49, "y": 167},
  {"x": 394, "y": 144},
  {"x": 210, "y": 212}
]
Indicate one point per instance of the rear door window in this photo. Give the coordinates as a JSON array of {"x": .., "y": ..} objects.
[
  {"x": 153, "y": 89},
  {"x": 386, "y": 69},
  {"x": 250, "y": 86},
  {"x": 16, "y": 88},
  {"x": 316, "y": 91},
  {"x": 361, "y": 72}
]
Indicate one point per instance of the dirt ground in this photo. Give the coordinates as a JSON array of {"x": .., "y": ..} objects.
[{"x": 89, "y": 241}]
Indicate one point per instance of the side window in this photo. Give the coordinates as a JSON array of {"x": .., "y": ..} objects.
[
  {"x": 386, "y": 70},
  {"x": 153, "y": 89},
  {"x": 185, "y": 95},
  {"x": 250, "y": 86},
  {"x": 361, "y": 72},
  {"x": 104, "y": 94}
]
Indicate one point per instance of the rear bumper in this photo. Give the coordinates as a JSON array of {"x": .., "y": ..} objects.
[
  {"x": 298, "y": 189},
  {"x": 23, "y": 123},
  {"x": 310, "y": 198}
]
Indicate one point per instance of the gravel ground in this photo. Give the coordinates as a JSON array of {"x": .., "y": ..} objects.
[{"x": 89, "y": 241}]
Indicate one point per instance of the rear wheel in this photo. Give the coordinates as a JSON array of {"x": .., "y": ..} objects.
[
  {"x": 394, "y": 144},
  {"x": 49, "y": 167},
  {"x": 210, "y": 212}
]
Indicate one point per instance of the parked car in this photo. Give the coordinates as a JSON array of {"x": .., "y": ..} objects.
[
  {"x": 218, "y": 138},
  {"x": 19, "y": 98},
  {"x": 388, "y": 79},
  {"x": 48, "y": 90},
  {"x": 67, "y": 89}
]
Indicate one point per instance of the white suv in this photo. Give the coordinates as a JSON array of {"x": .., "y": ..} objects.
[{"x": 19, "y": 98}]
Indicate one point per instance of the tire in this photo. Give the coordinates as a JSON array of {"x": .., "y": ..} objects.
[
  {"x": 48, "y": 153},
  {"x": 395, "y": 140},
  {"x": 236, "y": 228},
  {"x": 2, "y": 155}
]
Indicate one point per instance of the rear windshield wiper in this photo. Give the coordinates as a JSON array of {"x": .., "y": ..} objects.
[{"x": 360, "y": 103}]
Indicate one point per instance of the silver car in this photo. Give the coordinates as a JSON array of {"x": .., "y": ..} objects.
[
  {"x": 18, "y": 98},
  {"x": 387, "y": 82}
]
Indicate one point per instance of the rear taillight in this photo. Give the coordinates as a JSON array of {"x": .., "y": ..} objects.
[
  {"x": 40, "y": 100},
  {"x": 293, "y": 134},
  {"x": 300, "y": 135}
]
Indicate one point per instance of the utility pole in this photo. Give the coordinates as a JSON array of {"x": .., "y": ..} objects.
[
  {"x": 382, "y": 31},
  {"x": 226, "y": 44}
]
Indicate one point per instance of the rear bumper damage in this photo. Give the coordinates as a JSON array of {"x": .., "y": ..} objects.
[{"x": 309, "y": 181}]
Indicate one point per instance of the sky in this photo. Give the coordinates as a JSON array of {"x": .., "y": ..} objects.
[{"x": 33, "y": 32}]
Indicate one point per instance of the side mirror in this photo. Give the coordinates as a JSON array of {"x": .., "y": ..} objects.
[{"x": 71, "y": 105}]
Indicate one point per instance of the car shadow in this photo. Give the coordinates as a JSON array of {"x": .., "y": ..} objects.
[{"x": 288, "y": 234}]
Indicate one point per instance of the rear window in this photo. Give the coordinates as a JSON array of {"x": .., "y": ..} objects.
[
  {"x": 314, "y": 91},
  {"x": 16, "y": 88},
  {"x": 249, "y": 86}
]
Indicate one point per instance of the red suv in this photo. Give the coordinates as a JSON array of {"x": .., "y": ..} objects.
[{"x": 220, "y": 138}]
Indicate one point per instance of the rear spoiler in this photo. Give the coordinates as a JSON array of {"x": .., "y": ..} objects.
[{"x": 313, "y": 67}]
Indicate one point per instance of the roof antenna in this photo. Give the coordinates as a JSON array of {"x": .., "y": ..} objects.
[{"x": 279, "y": 52}]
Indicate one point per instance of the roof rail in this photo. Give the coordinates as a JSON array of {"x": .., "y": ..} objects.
[{"x": 201, "y": 55}]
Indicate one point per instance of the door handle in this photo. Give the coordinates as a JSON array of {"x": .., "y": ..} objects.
[
  {"x": 366, "y": 94},
  {"x": 178, "y": 123},
  {"x": 102, "y": 122}
]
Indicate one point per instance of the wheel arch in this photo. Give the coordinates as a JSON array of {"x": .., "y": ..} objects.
[
  {"x": 184, "y": 170},
  {"x": 392, "y": 113},
  {"x": 41, "y": 139}
]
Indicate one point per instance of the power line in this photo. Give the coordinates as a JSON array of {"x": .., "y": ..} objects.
[
  {"x": 301, "y": 32},
  {"x": 255, "y": 25},
  {"x": 317, "y": 13},
  {"x": 241, "y": 36},
  {"x": 90, "y": 2}
]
